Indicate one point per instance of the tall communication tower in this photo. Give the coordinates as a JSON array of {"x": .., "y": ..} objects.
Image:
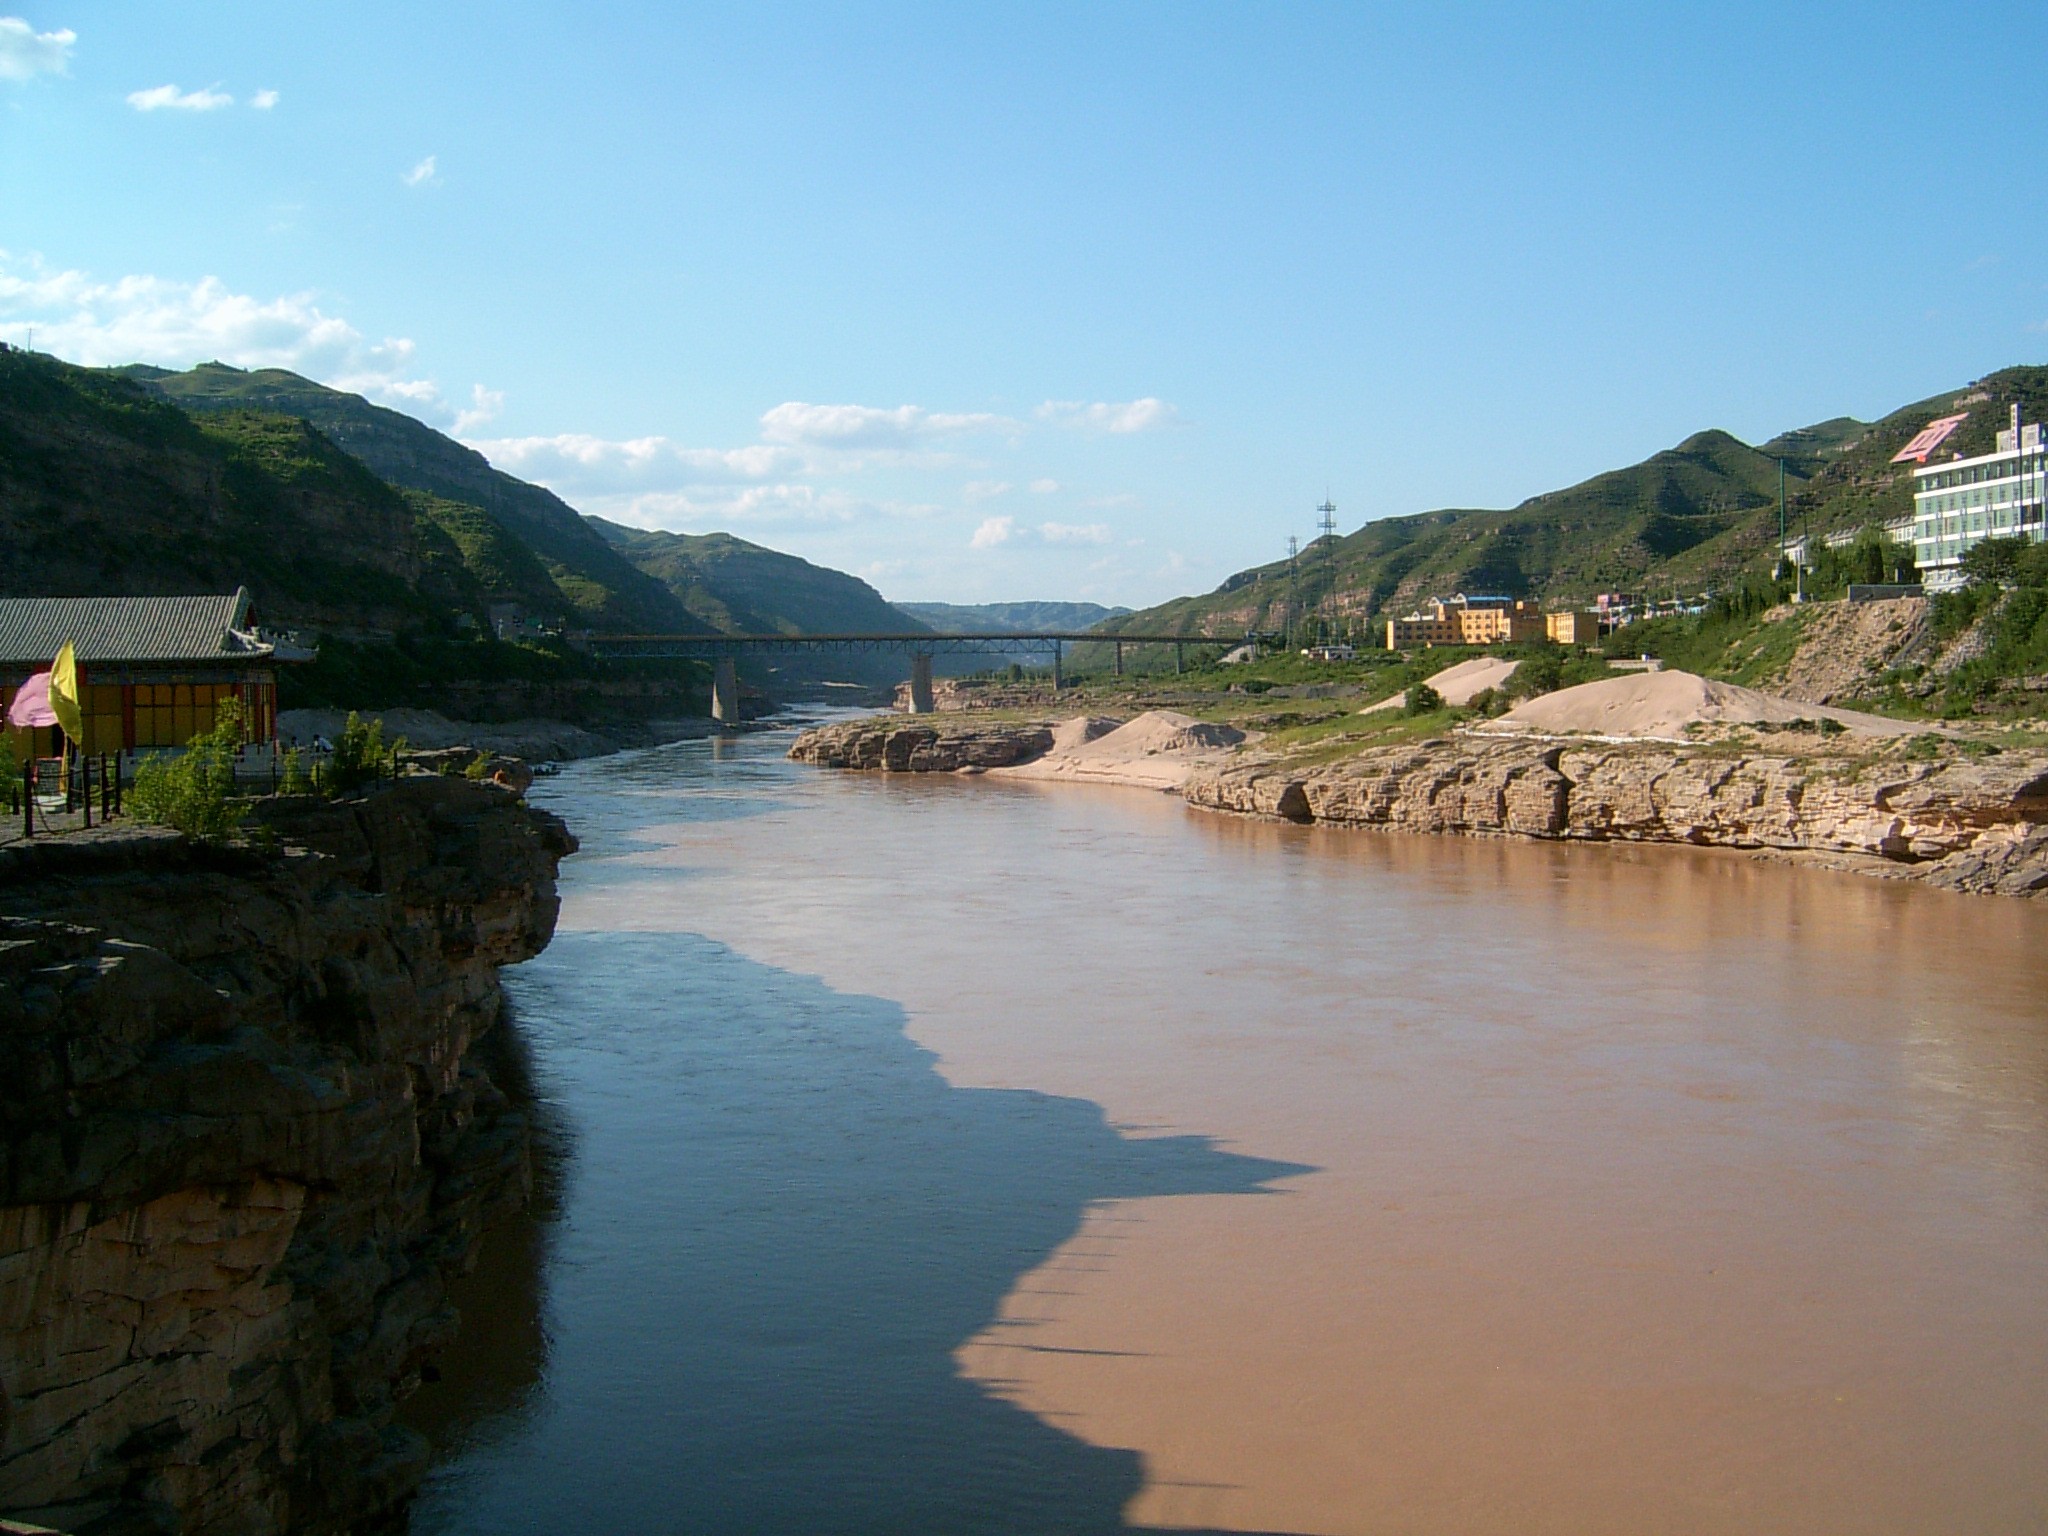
[{"x": 1329, "y": 525}]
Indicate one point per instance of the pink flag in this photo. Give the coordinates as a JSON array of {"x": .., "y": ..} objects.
[{"x": 31, "y": 704}]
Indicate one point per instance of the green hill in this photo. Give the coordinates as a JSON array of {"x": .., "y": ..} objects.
[
  {"x": 731, "y": 585},
  {"x": 104, "y": 487},
  {"x": 592, "y": 583},
  {"x": 1689, "y": 518}
]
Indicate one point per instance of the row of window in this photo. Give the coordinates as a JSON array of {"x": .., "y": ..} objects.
[
  {"x": 2030, "y": 490},
  {"x": 1977, "y": 474}
]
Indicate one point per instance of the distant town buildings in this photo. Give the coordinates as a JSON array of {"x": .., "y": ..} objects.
[
  {"x": 1462, "y": 620},
  {"x": 1962, "y": 502}
]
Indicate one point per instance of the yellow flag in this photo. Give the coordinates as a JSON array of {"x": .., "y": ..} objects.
[{"x": 64, "y": 696}]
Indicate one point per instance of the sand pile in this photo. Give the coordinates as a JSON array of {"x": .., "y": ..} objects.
[
  {"x": 1072, "y": 735},
  {"x": 1457, "y": 684},
  {"x": 1157, "y": 750},
  {"x": 1662, "y": 705}
]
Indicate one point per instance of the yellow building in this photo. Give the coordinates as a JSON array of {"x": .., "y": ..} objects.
[
  {"x": 1463, "y": 620},
  {"x": 152, "y": 670},
  {"x": 1572, "y": 628}
]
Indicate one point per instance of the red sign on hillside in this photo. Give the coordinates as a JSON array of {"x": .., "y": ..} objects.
[{"x": 1930, "y": 437}]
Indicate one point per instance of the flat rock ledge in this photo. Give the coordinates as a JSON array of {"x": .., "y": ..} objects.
[
  {"x": 246, "y": 1138},
  {"x": 922, "y": 745},
  {"x": 1975, "y": 824}
]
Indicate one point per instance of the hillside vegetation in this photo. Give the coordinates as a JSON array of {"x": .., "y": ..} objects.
[
  {"x": 591, "y": 584},
  {"x": 106, "y": 488},
  {"x": 742, "y": 588}
]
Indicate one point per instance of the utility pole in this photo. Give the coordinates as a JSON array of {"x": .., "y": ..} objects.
[
  {"x": 1781, "y": 512},
  {"x": 1293, "y": 586}
]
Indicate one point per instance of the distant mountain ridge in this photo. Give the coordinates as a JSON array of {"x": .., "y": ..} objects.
[
  {"x": 1010, "y": 618},
  {"x": 1684, "y": 518},
  {"x": 742, "y": 588}
]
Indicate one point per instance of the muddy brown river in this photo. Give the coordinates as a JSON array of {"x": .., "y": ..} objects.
[{"x": 937, "y": 1155}]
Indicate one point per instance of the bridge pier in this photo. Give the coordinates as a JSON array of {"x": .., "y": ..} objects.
[
  {"x": 921, "y": 684},
  {"x": 1177, "y": 660},
  {"x": 725, "y": 692},
  {"x": 1056, "y": 666},
  {"x": 1119, "y": 658}
]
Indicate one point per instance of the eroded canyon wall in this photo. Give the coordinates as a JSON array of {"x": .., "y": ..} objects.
[{"x": 246, "y": 1143}]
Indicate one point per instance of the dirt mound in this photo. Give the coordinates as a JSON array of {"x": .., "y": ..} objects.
[
  {"x": 1457, "y": 685},
  {"x": 1156, "y": 750},
  {"x": 1664, "y": 704},
  {"x": 1163, "y": 730},
  {"x": 1072, "y": 735}
]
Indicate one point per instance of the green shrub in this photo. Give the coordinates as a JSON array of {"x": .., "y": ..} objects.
[
  {"x": 360, "y": 755},
  {"x": 478, "y": 767},
  {"x": 1422, "y": 700},
  {"x": 292, "y": 776},
  {"x": 194, "y": 791}
]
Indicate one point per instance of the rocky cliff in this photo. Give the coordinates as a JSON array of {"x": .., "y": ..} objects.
[
  {"x": 246, "y": 1141},
  {"x": 1970, "y": 823},
  {"x": 916, "y": 746}
]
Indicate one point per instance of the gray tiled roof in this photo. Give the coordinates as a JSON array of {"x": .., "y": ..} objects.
[{"x": 204, "y": 628}]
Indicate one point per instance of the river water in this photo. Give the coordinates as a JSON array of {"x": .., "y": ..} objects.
[{"x": 939, "y": 1155}]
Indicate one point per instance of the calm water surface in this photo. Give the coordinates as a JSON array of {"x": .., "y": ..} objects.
[{"x": 947, "y": 1156}]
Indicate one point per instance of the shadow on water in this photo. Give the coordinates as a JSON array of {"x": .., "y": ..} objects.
[{"x": 778, "y": 1223}]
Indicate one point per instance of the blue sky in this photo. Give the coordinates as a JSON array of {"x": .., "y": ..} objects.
[{"x": 1039, "y": 301}]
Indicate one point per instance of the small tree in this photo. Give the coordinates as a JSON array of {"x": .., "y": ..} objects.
[
  {"x": 1422, "y": 700},
  {"x": 1994, "y": 560},
  {"x": 194, "y": 791},
  {"x": 360, "y": 754},
  {"x": 292, "y": 776}
]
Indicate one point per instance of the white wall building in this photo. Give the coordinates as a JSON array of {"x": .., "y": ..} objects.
[{"x": 1965, "y": 501}]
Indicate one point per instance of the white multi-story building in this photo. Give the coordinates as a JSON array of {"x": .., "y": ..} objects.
[{"x": 1965, "y": 501}]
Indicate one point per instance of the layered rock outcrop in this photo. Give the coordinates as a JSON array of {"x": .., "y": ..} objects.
[
  {"x": 906, "y": 746},
  {"x": 247, "y": 1139},
  {"x": 1970, "y": 823}
]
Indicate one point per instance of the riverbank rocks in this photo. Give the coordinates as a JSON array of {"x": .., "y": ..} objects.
[
  {"x": 1967, "y": 823},
  {"x": 920, "y": 745},
  {"x": 245, "y": 1139}
]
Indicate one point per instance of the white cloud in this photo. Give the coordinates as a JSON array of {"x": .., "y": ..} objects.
[
  {"x": 1108, "y": 416},
  {"x": 484, "y": 405},
  {"x": 576, "y": 464},
  {"x": 147, "y": 319},
  {"x": 263, "y": 100},
  {"x": 996, "y": 531},
  {"x": 1075, "y": 533},
  {"x": 781, "y": 504},
  {"x": 985, "y": 490},
  {"x": 25, "y": 52},
  {"x": 160, "y": 97},
  {"x": 422, "y": 173},
  {"x": 870, "y": 426},
  {"x": 1044, "y": 487}
]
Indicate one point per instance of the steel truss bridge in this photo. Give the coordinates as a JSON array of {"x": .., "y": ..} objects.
[{"x": 723, "y": 652}]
